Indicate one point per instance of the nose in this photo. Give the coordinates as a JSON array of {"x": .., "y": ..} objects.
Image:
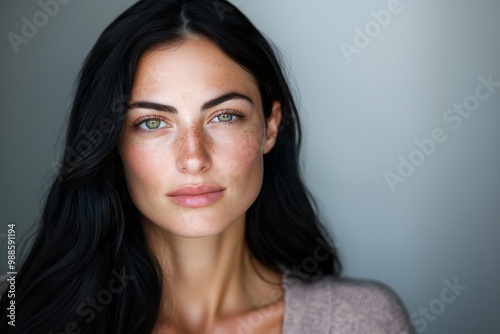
[{"x": 193, "y": 145}]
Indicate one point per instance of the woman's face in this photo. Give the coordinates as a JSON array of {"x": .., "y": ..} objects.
[{"x": 194, "y": 139}]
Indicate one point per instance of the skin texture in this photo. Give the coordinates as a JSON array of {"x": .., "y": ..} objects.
[{"x": 212, "y": 283}]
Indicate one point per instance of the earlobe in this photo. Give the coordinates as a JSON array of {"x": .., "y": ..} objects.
[{"x": 273, "y": 123}]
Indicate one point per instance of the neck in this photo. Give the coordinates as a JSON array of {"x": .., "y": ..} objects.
[{"x": 210, "y": 278}]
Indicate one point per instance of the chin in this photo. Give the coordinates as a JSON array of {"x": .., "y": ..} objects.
[{"x": 195, "y": 226}]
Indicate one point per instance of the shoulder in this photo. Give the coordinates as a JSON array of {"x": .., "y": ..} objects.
[{"x": 332, "y": 305}]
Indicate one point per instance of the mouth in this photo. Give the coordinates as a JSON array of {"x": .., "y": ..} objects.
[{"x": 196, "y": 196}]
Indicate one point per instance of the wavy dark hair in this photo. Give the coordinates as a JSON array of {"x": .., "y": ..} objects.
[{"x": 89, "y": 267}]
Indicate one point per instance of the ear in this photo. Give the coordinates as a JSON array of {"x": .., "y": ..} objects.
[{"x": 272, "y": 126}]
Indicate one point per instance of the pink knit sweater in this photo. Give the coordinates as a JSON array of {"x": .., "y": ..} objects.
[{"x": 340, "y": 306}]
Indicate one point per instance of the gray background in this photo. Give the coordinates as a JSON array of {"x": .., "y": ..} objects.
[{"x": 442, "y": 223}]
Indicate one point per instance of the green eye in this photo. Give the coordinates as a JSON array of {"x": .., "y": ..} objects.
[
  {"x": 151, "y": 124},
  {"x": 225, "y": 118}
]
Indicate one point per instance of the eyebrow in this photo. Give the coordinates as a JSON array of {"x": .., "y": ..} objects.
[{"x": 207, "y": 105}]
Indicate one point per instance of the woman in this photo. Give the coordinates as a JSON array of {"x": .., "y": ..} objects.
[{"x": 179, "y": 207}]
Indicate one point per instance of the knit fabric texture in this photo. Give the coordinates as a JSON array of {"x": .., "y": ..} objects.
[{"x": 342, "y": 306}]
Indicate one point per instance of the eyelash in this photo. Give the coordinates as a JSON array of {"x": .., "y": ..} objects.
[
  {"x": 238, "y": 115},
  {"x": 141, "y": 120}
]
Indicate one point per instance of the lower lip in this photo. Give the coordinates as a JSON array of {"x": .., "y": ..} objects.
[{"x": 197, "y": 201}]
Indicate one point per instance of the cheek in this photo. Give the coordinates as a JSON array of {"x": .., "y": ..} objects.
[
  {"x": 244, "y": 155},
  {"x": 141, "y": 166}
]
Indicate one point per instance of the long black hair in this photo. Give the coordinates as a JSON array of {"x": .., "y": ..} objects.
[{"x": 89, "y": 267}]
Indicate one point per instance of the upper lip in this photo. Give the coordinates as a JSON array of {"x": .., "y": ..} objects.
[{"x": 192, "y": 189}]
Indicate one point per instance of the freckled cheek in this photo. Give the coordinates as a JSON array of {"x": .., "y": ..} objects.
[
  {"x": 141, "y": 165},
  {"x": 242, "y": 155}
]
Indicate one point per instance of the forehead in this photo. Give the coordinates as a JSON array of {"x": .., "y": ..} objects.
[{"x": 193, "y": 67}]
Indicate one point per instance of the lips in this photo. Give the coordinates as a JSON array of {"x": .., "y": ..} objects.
[
  {"x": 196, "y": 190},
  {"x": 195, "y": 196}
]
